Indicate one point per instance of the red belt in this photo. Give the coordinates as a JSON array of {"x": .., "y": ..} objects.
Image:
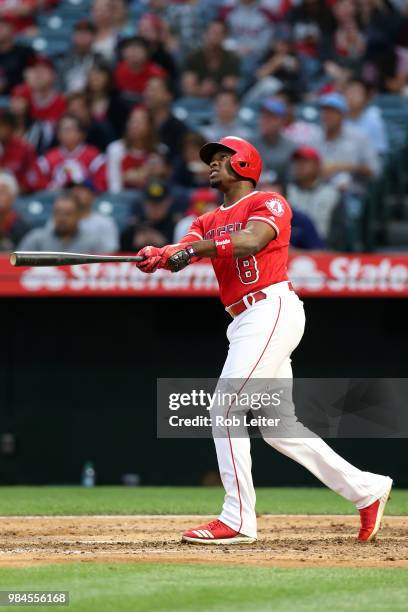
[{"x": 252, "y": 298}]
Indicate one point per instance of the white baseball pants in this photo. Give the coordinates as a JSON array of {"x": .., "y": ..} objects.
[{"x": 261, "y": 340}]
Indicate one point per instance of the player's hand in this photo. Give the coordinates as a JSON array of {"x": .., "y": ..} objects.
[
  {"x": 173, "y": 257},
  {"x": 152, "y": 258}
]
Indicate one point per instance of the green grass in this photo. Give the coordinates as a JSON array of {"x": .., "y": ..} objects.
[
  {"x": 147, "y": 587},
  {"x": 173, "y": 500}
]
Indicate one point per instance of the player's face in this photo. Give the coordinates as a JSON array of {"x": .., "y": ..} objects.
[{"x": 221, "y": 173}]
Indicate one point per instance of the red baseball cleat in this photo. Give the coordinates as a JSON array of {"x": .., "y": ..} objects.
[
  {"x": 215, "y": 532},
  {"x": 370, "y": 517}
]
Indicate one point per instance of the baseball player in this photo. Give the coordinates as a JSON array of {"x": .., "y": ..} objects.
[{"x": 247, "y": 239}]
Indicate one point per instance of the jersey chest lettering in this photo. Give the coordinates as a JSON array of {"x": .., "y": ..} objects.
[{"x": 230, "y": 228}]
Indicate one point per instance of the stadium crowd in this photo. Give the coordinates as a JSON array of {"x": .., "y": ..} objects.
[{"x": 143, "y": 84}]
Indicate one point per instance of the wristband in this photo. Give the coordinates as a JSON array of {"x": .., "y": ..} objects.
[
  {"x": 224, "y": 246},
  {"x": 190, "y": 251}
]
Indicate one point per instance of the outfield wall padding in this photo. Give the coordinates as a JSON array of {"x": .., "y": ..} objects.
[{"x": 78, "y": 382}]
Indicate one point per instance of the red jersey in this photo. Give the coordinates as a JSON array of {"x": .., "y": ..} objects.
[
  {"x": 50, "y": 110},
  {"x": 59, "y": 167},
  {"x": 9, "y": 9},
  {"x": 19, "y": 157},
  {"x": 136, "y": 81},
  {"x": 239, "y": 276}
]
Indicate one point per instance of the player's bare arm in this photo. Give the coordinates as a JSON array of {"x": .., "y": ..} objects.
[{"x": 248, "y": 241}]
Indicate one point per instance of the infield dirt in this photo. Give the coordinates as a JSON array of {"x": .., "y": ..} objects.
[{"x": 286, "y": 541}]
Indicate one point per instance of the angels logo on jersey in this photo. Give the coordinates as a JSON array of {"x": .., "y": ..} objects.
[{"x": 275, "y": 206}]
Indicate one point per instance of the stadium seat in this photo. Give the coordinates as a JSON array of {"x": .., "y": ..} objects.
[
  {"x": 56, "y": 22},
  {"x": 47, "y": 46},
  {"x": 394, "y": 111},
  {"x": 390, "y": 100},
  {"x": 136, "y": 11},
  {"x": 36, "y": 208},
  {"x": 248, "y": 116},
  {"x": 57, "y": 38},
  {"x": 308, "y": 112},
  {"x": 196, "y": 112},
  {"x": 80, "y": 8},
  {"x": 119, "y": 206}
]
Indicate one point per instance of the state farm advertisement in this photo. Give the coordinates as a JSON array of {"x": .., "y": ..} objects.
[{"x": 312, "y": 274}]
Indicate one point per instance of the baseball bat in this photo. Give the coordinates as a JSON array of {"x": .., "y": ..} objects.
[{"x": 41, "y": 258}]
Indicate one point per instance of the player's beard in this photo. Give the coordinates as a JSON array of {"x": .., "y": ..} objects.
[{"x": 215, "y": 183}]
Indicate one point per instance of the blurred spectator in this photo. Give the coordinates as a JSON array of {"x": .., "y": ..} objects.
[
  {"x": 120, "y": 18},
  {"x": 190, "y": 171},
  {"x": 98, "y": 133},
  {"x": 390, "y": 68},
  {"x": 156, "y": 224},
  {"x": 201, "y": 201},
  {"x": 105, "y": 32},
  {"x": 157, "y": 7},
  {"x": 211, "y": 67},
  {"x": 20, "y": 109},
  {"x": 158, "y": 98},
  {"x": 296, "y": 129},
  {"x": 136, "y": 68},
  {"x": 129, "y": 159},
  {"x": 103, "y": 99},
  {"x": 226, "y": 121},
  {"x": 75, "y": 65},
  {"x": 270, "y": 181},
  {"x": 281, "y": 62},
  {"x": 46, "y": 105},
  {"x": 14, "y": 58},
  {"x": 16, "y": 155},
  {"x": 275, "y": 149},
  {"x": 12, "y": 226},
  {"x": 348, "y": 157},
  {"x": 64, "y": 233},
  {"x": 349, "y": 39},
  {"x": 381, "y": 22},
  {"x": 309, "y": 20},
  {"x": 303, "y": 234},
  {"x": 39, "y": 134},
  {"x": 345, "y": 47},
  {"x": 187, "y": 21},
  {"x": 72, "y": 160},
  {"x": 309, "y": 194},
  {"x": 20, "y": 13},
  {"x": 92, "y": 223},
  {"x": 154, "y": 31},
  {"x": 277, "y": 10},
  {"x": 364, "y": 117},
  {"x": 249, "y": 33}
]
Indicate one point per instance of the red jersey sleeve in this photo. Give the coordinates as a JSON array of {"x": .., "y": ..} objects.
[
  {"x": 271, "y": 208},
  {"x": 194, "y": 233}
]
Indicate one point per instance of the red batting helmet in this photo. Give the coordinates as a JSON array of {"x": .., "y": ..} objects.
[{"x": 246, "y": 160}]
